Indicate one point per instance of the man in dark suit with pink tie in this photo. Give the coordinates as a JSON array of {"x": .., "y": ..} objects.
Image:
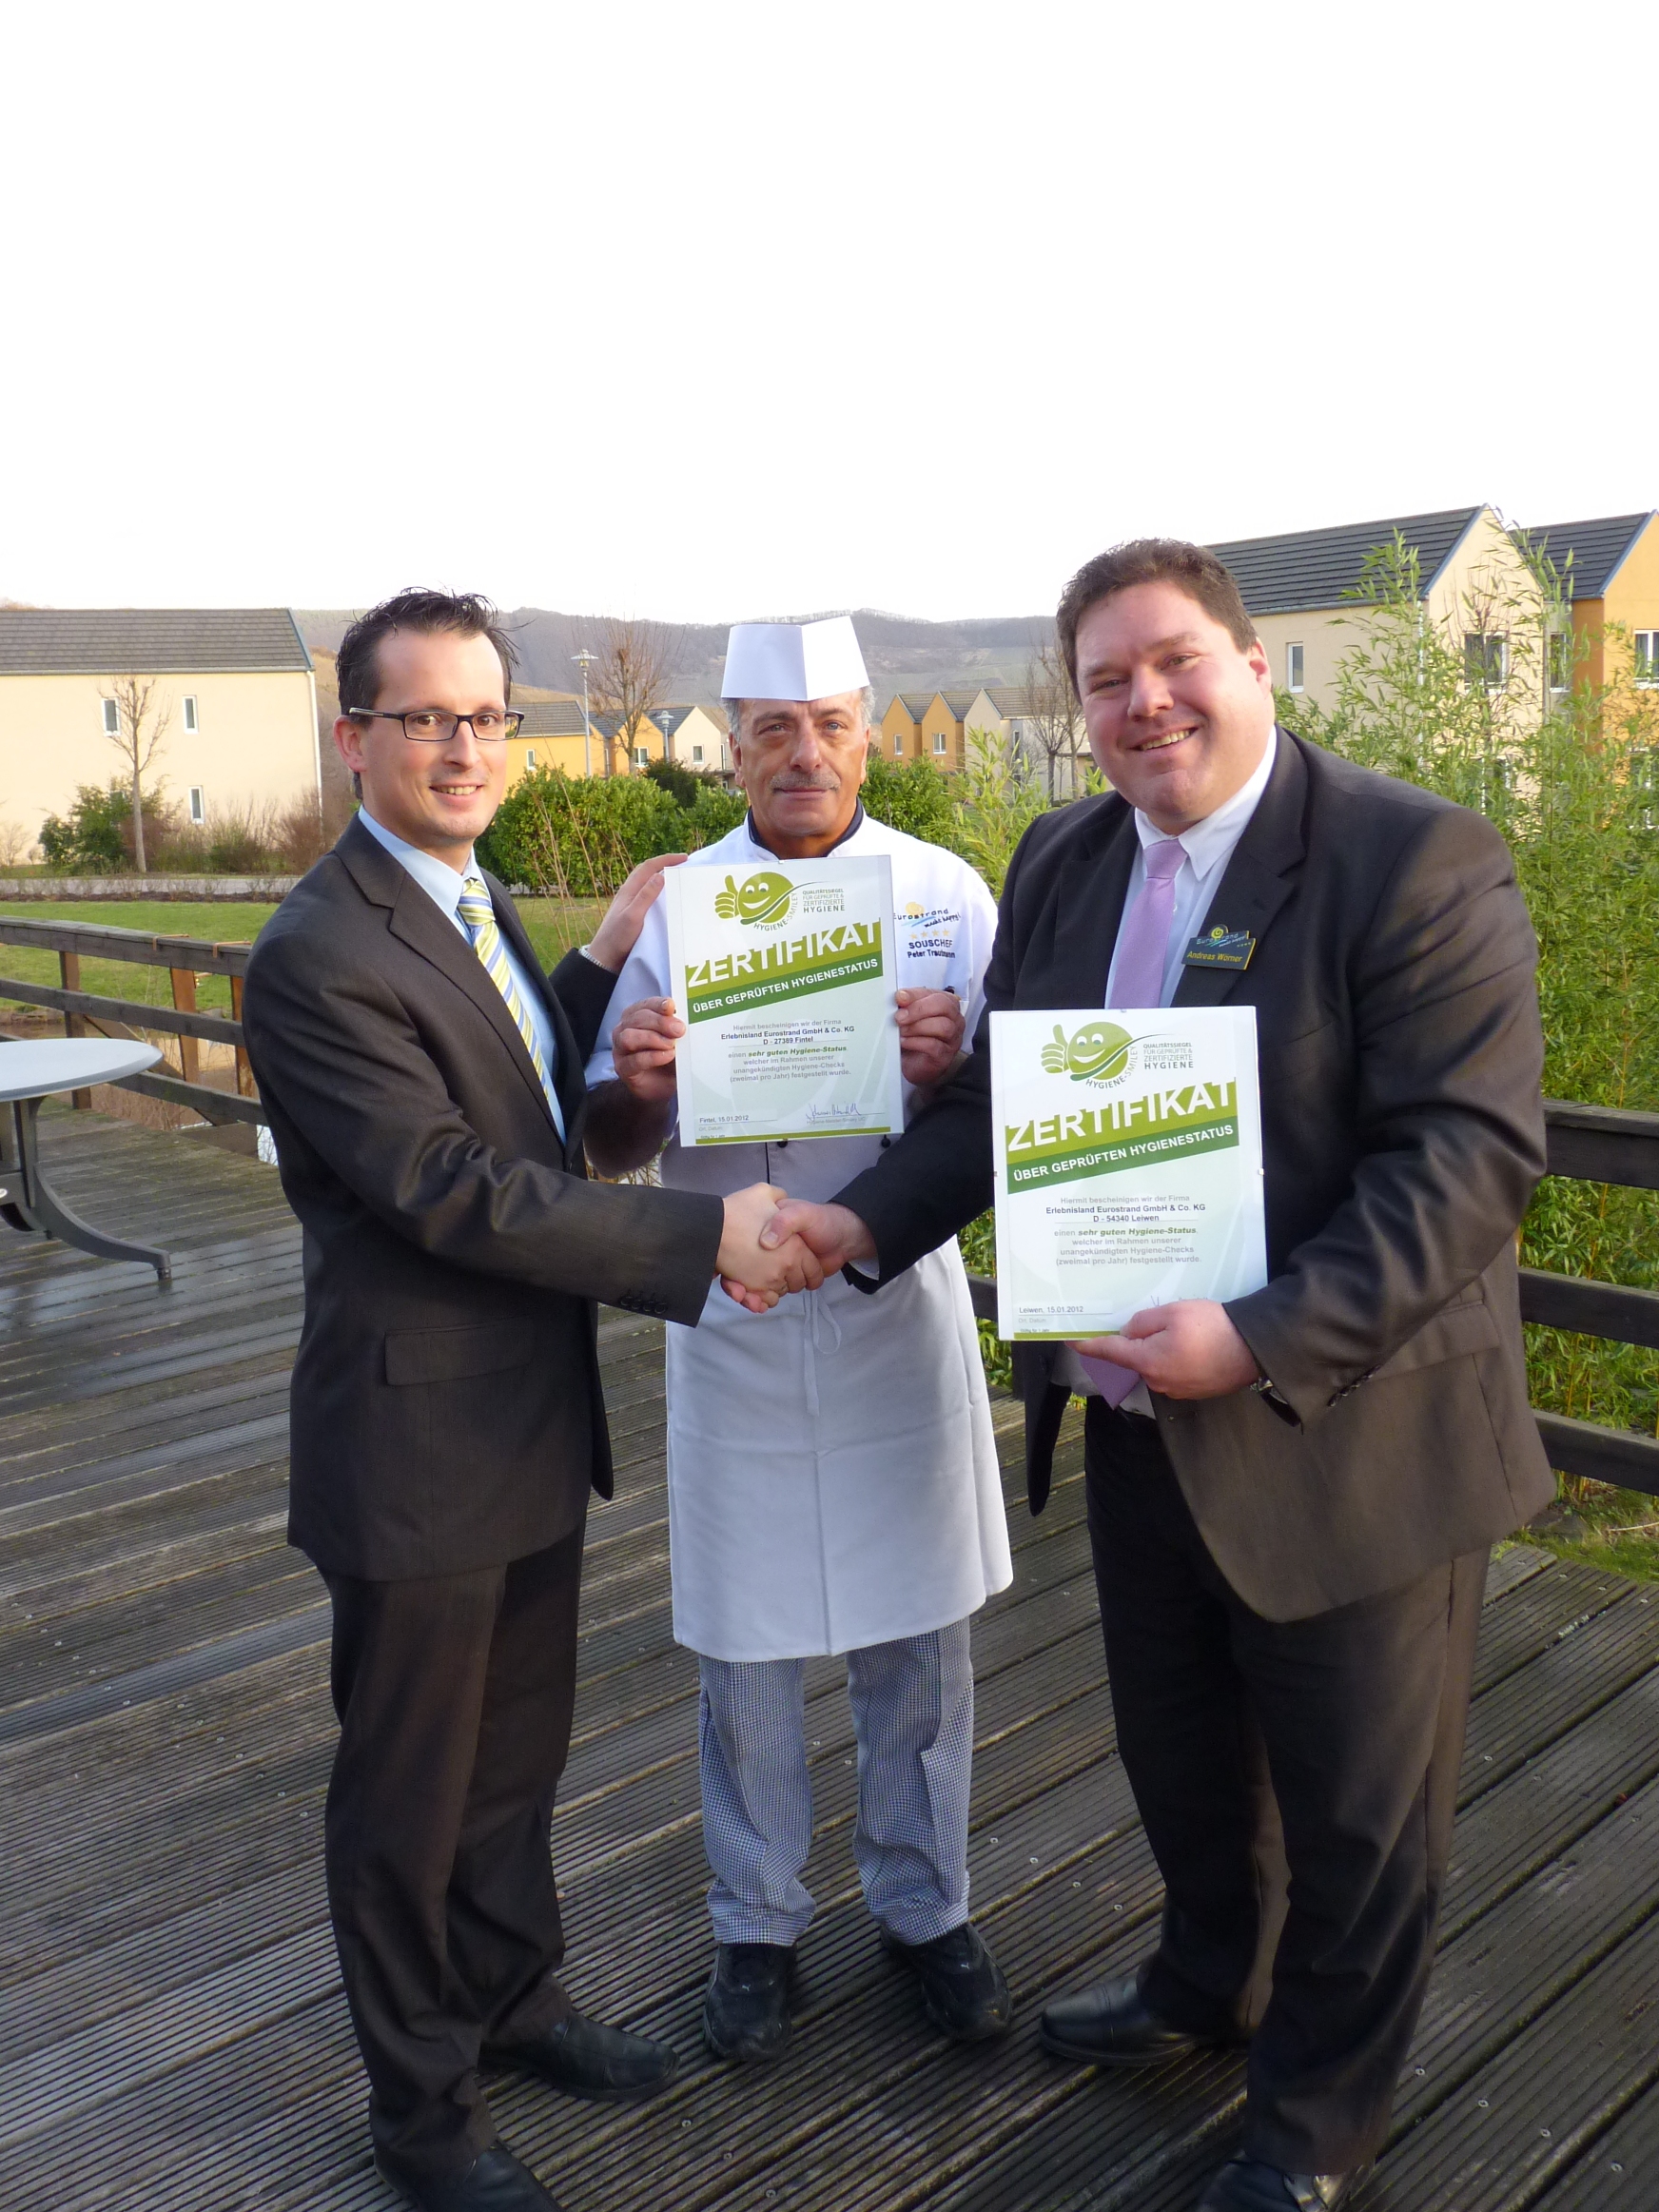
[{"x": 1291, "y": 1496}]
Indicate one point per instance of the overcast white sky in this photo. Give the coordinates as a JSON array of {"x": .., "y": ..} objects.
[{"x": 705, "y": 311}]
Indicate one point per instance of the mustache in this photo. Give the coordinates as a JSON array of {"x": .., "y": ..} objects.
[{"x": 806, "y": 783}]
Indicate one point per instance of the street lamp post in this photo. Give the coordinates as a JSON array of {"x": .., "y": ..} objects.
[
  {"x": 665, "y": 723},
  {"x": 584, "y": 657}
]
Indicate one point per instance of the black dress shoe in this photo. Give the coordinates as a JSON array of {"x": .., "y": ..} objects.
[
  {"x": 964, "y": 1991},
  {"x": 584, "y": 2058},
  {"x": 746, "y": 2014},
  {"x": 494, "y": 2183},
  {"x": 1245, "y": 2184},
  {"x": 1112, "y": 2026}
]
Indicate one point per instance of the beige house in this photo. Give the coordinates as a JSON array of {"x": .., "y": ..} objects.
[
  {"x": 230, "y": 688},
  {"x": 1294, "y": 586},
  {"x": 553, "y": 734}
]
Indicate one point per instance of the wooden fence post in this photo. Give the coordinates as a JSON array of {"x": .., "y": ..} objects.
[
  {"x": 74, "y": 1025},
  {"x": 244, "y": 1065},
  {"x": 184, "y": 1003}
]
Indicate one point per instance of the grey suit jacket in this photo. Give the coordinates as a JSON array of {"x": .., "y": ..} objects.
[
  {"x": 1400, "y": 1055},
  {"x": 446, "y": 1406}
]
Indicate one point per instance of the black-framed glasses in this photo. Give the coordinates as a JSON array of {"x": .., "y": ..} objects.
[{"x": 431, "y": 726}]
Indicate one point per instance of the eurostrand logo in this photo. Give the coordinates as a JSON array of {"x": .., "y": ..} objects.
[{"x": 1099, "y": 1052}]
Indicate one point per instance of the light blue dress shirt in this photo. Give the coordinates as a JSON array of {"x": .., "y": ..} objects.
[{"x": 443, "y": 888}]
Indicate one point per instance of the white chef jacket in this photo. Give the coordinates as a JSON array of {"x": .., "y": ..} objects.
[{"x": 832, "y": 1467}]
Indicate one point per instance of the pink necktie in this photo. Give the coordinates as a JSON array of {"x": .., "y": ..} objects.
[{"x": 1142, "y": 949}]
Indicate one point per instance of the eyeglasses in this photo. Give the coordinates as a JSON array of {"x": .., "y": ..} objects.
[{"x": 429, "y": 726}]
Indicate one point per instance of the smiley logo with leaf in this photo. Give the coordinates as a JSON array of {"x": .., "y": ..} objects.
[
  {"x": 1098, "y": 1049},
  {"x": 762, "y": 898}
]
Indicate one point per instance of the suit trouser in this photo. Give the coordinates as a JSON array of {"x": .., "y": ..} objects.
[
  {"x": 454, "y": 1696},
  {"x": 912, "y": 1717},
  {"x": 1328, "y": 1748}
]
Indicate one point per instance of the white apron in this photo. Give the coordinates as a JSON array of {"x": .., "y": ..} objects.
[{"x": 832, "y": 1471}]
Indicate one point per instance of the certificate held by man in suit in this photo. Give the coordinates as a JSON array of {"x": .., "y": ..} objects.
[{"x": 1129, "y": 1165}]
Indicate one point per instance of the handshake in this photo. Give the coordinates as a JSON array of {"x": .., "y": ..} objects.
[{"x": 772, "y": 1245}]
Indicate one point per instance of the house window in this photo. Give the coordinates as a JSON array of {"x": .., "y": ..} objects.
[
  {"x": 197, "y": 805},
  {"x": 111, "y": 719},
  {"x": 938, "y": 741},
  {"x": 1292, "y": 668},
  {"x": 1645, "y": 782},
  {"x": 696, "y": 756},
  {"x": 1486, "y": 659},
  {"x": 530, "y": 756},
  {"x": 1648, "y": 659},
  {"x": 190, "y": 724},
  {"x": 641, "y": 756},
  {"x": 1560, "y": 659}
]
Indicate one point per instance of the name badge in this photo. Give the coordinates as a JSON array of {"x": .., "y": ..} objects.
[{"x": 1221, "y": 948}]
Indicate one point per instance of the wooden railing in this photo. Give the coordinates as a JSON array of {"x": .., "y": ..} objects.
[
  {"x": 1589, "y": 1144},
  {"x": 185, "y": 958}
]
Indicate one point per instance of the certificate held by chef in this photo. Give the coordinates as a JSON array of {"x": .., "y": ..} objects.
[
  {"x": 784, "y": 976},
  {"x": 1129, "y": 1165}
]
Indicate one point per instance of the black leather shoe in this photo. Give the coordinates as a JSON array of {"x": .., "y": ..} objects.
[
  {"x": 964, "y": 1991},
  {"x": 1112, "y": 2026},
  {"x": 1244, "y": 2185},
  {"x": 584, "y": 2058},
  {"x": 746, "y": 2014},
  {"x": 494, "y": 2183}
]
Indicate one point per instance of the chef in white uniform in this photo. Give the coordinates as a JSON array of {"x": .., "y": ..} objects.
[{"x": 832, "y": 1472}]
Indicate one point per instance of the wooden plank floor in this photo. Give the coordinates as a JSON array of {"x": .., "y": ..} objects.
[{"x": 171, "y": 2028}]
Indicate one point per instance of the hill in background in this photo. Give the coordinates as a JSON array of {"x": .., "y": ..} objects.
[{"x": 903, "y": 654}]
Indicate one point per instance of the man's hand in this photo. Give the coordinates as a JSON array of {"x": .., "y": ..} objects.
[
  {"x": 756, "y": 1267},
  {"x": 1189, "y": 1349},
  {"x": 930, "y": 1027},
  {"x": 642, "y": 1046},
  {"x": 617, "y": 934},
  {"x": 834, "y": 1233}
]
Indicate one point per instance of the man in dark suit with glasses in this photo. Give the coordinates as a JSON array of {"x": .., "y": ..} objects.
[{"x": 423, "y": 1080}]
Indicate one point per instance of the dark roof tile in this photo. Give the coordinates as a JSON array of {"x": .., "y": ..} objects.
[
  {"x": 147, "y": 641},
  {"x": 1313, "y": 568},
  {"x": 1595, "y": 548}
]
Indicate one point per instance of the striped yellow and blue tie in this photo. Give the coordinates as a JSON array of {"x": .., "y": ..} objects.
[{"x": 480, "y": 916}]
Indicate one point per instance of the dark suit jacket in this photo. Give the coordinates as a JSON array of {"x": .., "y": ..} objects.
[
  {"x": 446, "y": 1403},
  {"x": 1400, "y": 1057}
]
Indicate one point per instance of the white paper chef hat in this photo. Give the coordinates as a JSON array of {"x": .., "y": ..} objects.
[{"x": 792, "y": 661}]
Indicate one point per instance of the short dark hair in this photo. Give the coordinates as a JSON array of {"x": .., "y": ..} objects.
[
  {"x": 464, "y": 614},
  {"x": 1193, "y": 569}
]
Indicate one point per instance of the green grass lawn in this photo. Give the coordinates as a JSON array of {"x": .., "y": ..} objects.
[{"x": 555, "y": 925}]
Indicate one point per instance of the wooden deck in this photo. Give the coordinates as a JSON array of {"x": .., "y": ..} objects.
[{"x": 171, "y": 2029}]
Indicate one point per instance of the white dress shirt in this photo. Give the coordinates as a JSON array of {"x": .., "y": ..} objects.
[
  {"x": 443, "y": 887},
  {"x": 1208, "y": 844}
]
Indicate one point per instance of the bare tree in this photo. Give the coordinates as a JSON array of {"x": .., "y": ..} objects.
[
  {"x": 630, "y": 678},
  {"x": 1049, "y": 713},
  {"x": 141, "y": 723}
]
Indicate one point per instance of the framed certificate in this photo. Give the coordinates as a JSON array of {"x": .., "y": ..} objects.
[
  {"x": 1129, "y": 1165},
  {"x": 784, "y": 976}
]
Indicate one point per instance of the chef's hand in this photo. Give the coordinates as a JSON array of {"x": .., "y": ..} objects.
[
  {"x": 755, "y": 1268},
  {"x": 834, "y": 1233},
  {"x": 1189, "y": 1349},
  {"x": 930, "y": 1027},
  {"x": 617, "y": 934},
  {"x": 642, "y": 1048}
]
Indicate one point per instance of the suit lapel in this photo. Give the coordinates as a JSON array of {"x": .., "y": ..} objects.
[
  {"x": 416, "y": 920},
  {"x": 1257, "y": 880},
  {"x": 567, "y": 1079}
]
